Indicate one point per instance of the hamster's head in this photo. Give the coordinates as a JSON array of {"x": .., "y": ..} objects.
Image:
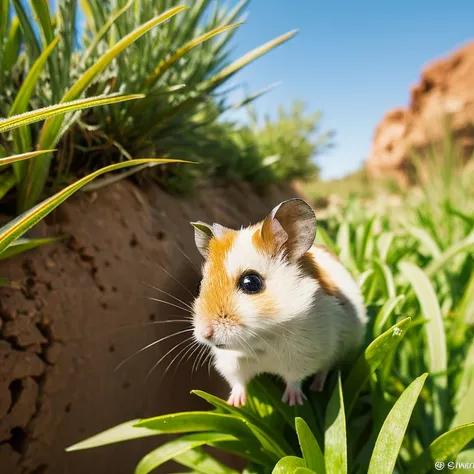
[{"x": 253, "y": 281}]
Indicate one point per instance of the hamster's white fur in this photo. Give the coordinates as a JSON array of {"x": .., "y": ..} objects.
[{"x": 307, "y": 329}]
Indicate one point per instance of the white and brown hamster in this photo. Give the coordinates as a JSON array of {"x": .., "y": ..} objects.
[{"x": 272, "y": 301}]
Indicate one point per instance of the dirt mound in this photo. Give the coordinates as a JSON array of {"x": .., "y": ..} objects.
[
  {"x": 444, "y": 96},
  {"x": 78, "y": 308}
]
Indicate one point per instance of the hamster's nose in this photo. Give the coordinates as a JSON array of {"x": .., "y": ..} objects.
[{"x": 208, "y": 332}]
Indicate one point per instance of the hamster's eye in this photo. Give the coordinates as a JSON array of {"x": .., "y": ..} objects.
[
  {"x": 198, "y": 287},
  {"x": 251, "y": 283}
]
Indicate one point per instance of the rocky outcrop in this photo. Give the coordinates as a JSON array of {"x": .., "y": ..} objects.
[{"x": 443, "y": 98}]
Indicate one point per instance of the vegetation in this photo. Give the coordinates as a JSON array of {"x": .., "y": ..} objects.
[
  {"x": 47, "y": 57},
  {"x": 407, "y": 401}
]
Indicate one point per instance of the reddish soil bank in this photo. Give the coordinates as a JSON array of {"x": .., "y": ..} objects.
[{"x": 78, "y": 308}]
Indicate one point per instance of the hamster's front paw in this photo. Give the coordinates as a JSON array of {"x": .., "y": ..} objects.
[
  {"x": 238, "y": 396},
  {"x": 293, "y": 394}
]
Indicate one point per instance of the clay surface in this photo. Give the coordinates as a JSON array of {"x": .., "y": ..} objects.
[{"x": 76, "y": 309}]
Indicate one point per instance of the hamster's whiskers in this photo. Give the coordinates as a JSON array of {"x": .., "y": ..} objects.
[
  {"x": 163, "y": 357},
  {"x": 170, "y": 304},
  {"x": 240, "y": 338},
  {"x": 179, "y": 300},
  {"x": 148, "y": 323},
  {"x": 183, "y": 253},
  {"x": 152, "y": 344},
  {"x": 174, "y": 278}
]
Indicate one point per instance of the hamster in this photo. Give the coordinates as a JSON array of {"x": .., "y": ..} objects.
[{"x": 272, "y": 301}]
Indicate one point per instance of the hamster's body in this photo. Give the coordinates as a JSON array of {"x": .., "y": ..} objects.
[{"x": 271, "y": 301}]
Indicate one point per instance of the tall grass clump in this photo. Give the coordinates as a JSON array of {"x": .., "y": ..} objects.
[
  {"x": 174, "y": 53},
  {"x": 406, "y": 402}
]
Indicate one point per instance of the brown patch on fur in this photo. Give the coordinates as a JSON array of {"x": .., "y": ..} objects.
[
  {"x": 264, "y": 245},
  {"x": 311, "y": 267},
  {"x": 215, "y": 298},
  {"x": 265, "y": 304}
]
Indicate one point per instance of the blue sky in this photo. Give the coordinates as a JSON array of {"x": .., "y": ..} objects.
[{"x": 353, "y": 60}]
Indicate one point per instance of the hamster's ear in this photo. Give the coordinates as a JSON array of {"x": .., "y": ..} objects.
[
  {"x": 291, "y": 224},
  {"x": 203, "y": 233}
]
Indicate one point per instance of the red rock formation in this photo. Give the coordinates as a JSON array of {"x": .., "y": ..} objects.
[{"x": 445, "y": 95}]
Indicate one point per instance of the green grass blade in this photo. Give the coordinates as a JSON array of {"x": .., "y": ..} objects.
[
  {"x": 335, "y": 440},
  {"x": 123, "y": 432},
  {"x": 270, "y": 441},
  {"x": 17, "y": 227},
  {"x": 443, "y": 449},
  {"x": 237, "y": 65},
  {"x": 465, "y": 245},
  {"x": 391, "y": 435},
  {"x": 58, "y": 109},
  {"x": 100, "y": 34},
  {"x": 167, "y": 63},
  {"x": 384, "y": 242},
  {"x": 385, "y": 312},
  {"x": 466, "y": 306},
  {"x": 51, "y": 129},
  {"x": 22, "y": 136},
  {"x": 23, "y": 156},
  {"x": 386, "y": 276},
  {"x": 245, "y": 450},
  {"x": 425, "y": 239},
  {"x": 435, "y": 334},
  {"x": 304, "y": 470},
  {"x": 371, "y": 359},
  {"x": 197, "y": 421},
  {"x": 11, "y": 49},
  {"x": 202, "y": 462},
  {"x": 312, "y": 453},
  {"x": 23, "y": 245},
  {"x": 30, "y": 40},
  {"x": 7, "y": 182},
  {"x": 256, "y": 95},
  {"x": 168, "y": 451},
  {"x": 288, "y": 465}
]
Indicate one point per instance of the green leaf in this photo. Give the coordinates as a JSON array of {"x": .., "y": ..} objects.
[
  {"x": 17, "y": 227},
  {"x": 425, "y": 238},
  {"x": 12, "y": 45},
  {"x": 466, "y": 306},
  {"x": 23, "y": 245},
  {"x": 168, "y": 451},
  {"x": 435, "y": 335},
  {"x": 288, "y": 465},
  {"x": 197, "y": 421},
  {"x": 386, "y": 276},
  {"x": 117, "y": 434},
  {"x": 385, "y": 312},
  {"x": 335, "y": 441},
  {"x": 31, "y": 43},
  {"x": 309, "y": 447},
  {"x": 23, "y": 156},
  {"x": 391, "y": 435},
  {"x": 465, "y": 245},
  {"x": 22, "y": 136},
  {"x": 202, "y": 462},
  {"x": 371, "y": 359},
  {"x": 7, "y": 182},
  {"x": 113, "y": 18},
  {"x": 304, "y": 470},
  {"x": 442, "y": 449},
  {"x": 242, "y": 448},
  {"x": 58, "y": 109},
  {"x": 323, "y": 237},
  {"x": 51, "y": 129},
  {"x": 167, "y": 63},
  {"x": 237, "y": 65}
]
